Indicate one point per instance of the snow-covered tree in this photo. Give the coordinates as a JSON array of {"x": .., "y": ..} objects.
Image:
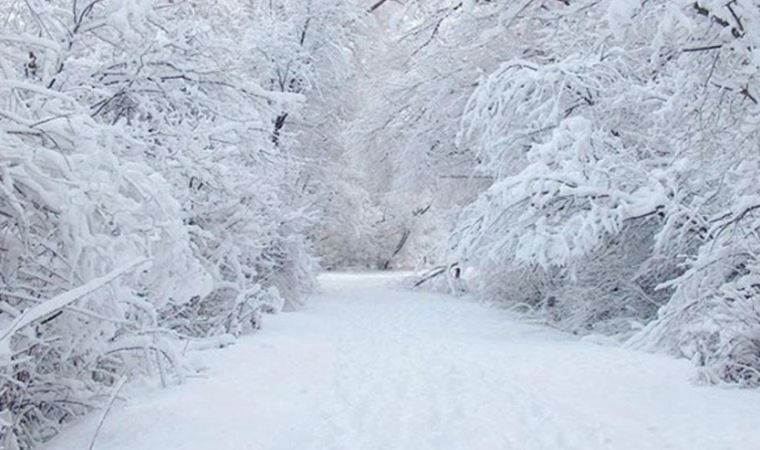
[
  {"x": 144, "y": 198},
  {"x": 621, "y": 142}
]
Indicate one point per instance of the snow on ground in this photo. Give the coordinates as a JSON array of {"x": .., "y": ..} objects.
[{"x": 369, "y": 366}]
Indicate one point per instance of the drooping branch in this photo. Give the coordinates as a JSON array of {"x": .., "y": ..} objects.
[{"x": 59, "y": 302}]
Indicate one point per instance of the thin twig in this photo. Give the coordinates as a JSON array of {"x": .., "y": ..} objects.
[{"x": 117, "y": 388}]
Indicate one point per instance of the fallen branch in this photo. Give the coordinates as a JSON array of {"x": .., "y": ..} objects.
[{"x": 436, "y": 271}]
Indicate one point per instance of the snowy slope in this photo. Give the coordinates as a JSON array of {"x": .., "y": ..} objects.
[{"x": 368, "y": 366}]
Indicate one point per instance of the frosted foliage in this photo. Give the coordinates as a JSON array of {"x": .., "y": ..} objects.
[
  {"x": 624, "y": 168},
  {"x": 147, "y": 199},
  {"x": 591, "y": 163},
  {"x": 172, "y": 171}
]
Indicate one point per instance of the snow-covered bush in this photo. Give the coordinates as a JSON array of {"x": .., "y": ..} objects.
[
  {"x": 713, "y": 317},
  {"x": 143, "y": 199},
  {"x": 624, "y": 157},
  {"x": 72, "y": 214}
]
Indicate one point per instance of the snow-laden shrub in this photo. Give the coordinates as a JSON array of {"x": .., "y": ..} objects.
[
  {"x": 624, "y": 160},
  {"x": 72, "y": 213},
  {"x": 143, "y": 199},
  {"x": 713, "y": 318}
]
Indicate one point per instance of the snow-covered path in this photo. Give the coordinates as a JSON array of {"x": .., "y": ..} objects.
[{"x": 367, "y": 366}]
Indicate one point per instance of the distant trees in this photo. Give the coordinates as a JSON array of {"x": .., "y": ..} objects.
[{"x": 423, "y": 68}]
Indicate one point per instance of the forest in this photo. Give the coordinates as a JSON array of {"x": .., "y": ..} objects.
[{"x": 172, "y": 172}]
